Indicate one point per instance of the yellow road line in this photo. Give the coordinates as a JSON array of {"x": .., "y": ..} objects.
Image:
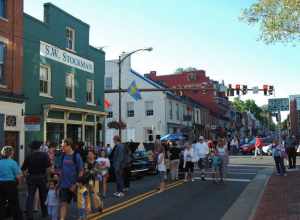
[
  {"x": 129, "y": 200},
  {"x": 133, "y": 201}
]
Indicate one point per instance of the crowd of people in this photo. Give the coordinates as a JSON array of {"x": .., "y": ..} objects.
[
  {"x": 182, "y": 157},
  {"x": 56, "y": 178}
]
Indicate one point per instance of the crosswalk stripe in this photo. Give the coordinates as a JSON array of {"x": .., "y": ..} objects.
[{"x": 227, "y": 179}]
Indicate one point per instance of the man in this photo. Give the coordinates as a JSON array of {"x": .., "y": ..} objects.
[
  {"x": 118, "y": 163},
  {"x": 258, "y": 146},
  {"x": 201, "y": 153},
  {"x": 291, "y": 145},
  {"x": 71, "y": 167},
  {"x": 35, "y": 166}
]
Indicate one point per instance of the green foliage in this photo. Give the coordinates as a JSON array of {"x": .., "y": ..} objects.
[
  {"x": 278, "y": 19},
  {"x": 188, "y": 69},
  {"x": 260, "y": 113}
]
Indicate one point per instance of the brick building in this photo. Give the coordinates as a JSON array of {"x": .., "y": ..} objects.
[
  {"x": 211, "y": 95},
  {"x": 11, "y": 63},
  {"x": 294, "y": 117}
]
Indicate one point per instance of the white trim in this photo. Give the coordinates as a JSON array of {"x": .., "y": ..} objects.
[
  {"x": 2, "y": 86},
  {"x": 4, "y": 39},
  {"x": 70, "y": 100},
  {"x": 3, "y": 19},
  {"x": 73, "y": 87},
  {"x": 91, "y": 104},
  {"x": 46, "y": 95},
  {"x": 73, "y": 39}
]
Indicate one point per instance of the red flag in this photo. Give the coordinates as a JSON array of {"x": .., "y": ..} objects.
[{"x": 106, "y": 103}]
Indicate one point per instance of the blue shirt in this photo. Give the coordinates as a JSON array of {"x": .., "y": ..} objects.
[
  {"x": 9, "y": 170},
  {"x": 70, "y": 170}
]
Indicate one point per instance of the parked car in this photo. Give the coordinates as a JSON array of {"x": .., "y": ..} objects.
[
  {"x": 267, "y": 150},
  {"x": 139, "y": 164},
  {"x": 249, "y": 148}
]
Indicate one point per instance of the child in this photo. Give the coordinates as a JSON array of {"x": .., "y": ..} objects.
[
  {"x": 102, "y": 170},
  {"x": 188, "y": 162},
  {"x": 52, "y": 201},
  {"x": 216, "y": 165},
  {"x": 83, "y": 199},
  {"x": 162, "y": 169}
]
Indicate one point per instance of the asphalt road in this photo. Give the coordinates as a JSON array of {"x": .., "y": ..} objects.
[{"x": 192, "y": 200}]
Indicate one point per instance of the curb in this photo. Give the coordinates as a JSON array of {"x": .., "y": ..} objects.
[{"x": 246, "y": 204}]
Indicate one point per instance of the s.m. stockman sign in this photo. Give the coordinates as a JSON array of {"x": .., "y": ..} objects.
[{"x": 62, "y": 56}]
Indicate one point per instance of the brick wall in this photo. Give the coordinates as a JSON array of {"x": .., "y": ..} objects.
[{"x": 11, "y": 32}]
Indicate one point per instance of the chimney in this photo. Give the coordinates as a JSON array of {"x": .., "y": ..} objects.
[{"x": 152, "y": 75}]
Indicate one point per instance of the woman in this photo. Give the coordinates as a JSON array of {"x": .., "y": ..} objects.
[
  {"x": 188, "y": 162},
  {"x": 161, "y": 168},
  {"x": 223, "y": 154},
  {"x": 10, "y": 176},
  {"x": 278, "y": 153},
  {"x": 102, "y": 170}
]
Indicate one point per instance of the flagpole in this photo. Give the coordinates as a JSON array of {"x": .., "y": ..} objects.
[{"x": 121, "y": 59}]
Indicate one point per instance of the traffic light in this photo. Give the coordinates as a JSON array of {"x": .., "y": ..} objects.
[
  {"x": 271, "y": 90},
  {"x": 238, "y": 89},
  {"x": 245, "y": 89},
  {"x": 265, "y": 89},
  {"x": 230, "y": 90}
]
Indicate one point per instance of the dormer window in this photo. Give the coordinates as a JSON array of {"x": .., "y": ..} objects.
[{"x": 70, "y": 38}]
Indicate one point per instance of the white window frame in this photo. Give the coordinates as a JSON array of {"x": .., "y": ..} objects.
[
  {"x": 72, "y": 99},
  {"x": 48, "y": 93},
  {"x": 111, "y": 80},
  {"x": 149, "y": 112},
  {"x": 2, "y": 63},
  {"x": 92, "y": 101},
  {"x": 130, "y": 110},
  {"x": 72, "y": 30}
]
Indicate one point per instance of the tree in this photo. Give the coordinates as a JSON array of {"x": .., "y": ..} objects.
[{"x": 278, "y": 19}]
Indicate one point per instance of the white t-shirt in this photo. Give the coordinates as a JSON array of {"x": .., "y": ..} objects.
[
  {"x": 189, "y": 155},
  {"x": 161, "y": 166},
  {"x": 201, "y": 150}
]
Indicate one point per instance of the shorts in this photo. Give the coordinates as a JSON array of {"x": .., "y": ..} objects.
[
  {"x": 66, "y": 195},
  {"x": 202, "y": 163},
  {"x": 162, "y": 176},
  {"x": 189, "y": 166}
]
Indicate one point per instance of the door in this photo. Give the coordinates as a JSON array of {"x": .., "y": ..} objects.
[{"x": 12, "y": 139}]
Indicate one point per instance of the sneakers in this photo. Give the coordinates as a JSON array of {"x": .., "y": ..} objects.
[{"x": 119, "y": 194}]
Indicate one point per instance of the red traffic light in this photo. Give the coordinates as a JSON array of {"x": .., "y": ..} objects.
[
  {"x": 237, "y": 89},
  {"x": 265, "y": 89}
]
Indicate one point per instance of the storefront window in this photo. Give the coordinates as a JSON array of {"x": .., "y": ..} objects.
[
  {"x": 70, "y": 93},
  {"x": 90, "y": 135},
  {"x": 55, "y": 133},
  {"x": 2, "y": 61}
]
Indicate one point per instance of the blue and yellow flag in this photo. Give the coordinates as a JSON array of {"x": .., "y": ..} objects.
[{"x": 134, "y": 91}]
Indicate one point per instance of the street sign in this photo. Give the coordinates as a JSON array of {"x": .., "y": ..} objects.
[
  {"x": 276, "y": 105},
  {"x": 255, "y": 90}
]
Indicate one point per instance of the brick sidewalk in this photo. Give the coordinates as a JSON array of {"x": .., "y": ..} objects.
[{"x": 281, "y": 199}]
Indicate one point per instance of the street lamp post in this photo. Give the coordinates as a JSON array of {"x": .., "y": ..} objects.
[{"x": 121, "y": 60}]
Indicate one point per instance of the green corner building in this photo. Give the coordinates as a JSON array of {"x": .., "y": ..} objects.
[{"x": 63, "y": 79}]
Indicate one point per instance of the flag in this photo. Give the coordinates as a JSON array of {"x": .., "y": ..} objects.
[
  {"x": 106, "y": 104},
  {"x": 134, "y": 92}
]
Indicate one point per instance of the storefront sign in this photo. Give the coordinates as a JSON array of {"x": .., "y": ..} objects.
[
  {"x": 32, "y": 123},
  {"x": 62, "y": 56}
]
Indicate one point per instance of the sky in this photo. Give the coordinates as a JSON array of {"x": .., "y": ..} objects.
[{"x": 205, "y": 34}]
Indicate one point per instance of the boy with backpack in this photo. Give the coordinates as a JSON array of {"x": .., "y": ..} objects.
[{"x": 71, "y": 168}]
